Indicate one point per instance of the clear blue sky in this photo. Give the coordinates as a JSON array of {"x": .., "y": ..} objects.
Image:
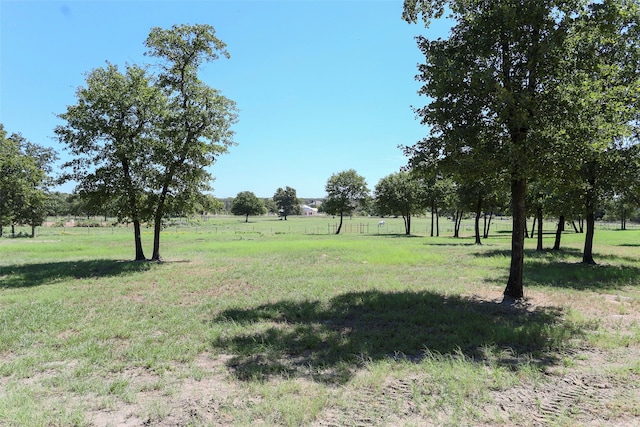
[{"x": 322, "y": 86}]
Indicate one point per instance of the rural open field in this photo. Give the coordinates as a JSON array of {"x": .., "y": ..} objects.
[{"x": 282, "y": 323}]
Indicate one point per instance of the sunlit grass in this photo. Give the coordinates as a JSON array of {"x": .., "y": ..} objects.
[{"x": 301, "y": 321}]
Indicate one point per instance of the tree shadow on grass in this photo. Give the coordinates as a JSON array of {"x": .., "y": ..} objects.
[
  {"x": 396, "y": 235},
  {"x": 564, "y": 269},
  {"x": 28, "y": 275},
  {"x": 327, "y": 341}
]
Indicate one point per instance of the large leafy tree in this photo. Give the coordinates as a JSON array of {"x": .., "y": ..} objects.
[
  {"x": 494, "y": 85},
  {"x": 142, "y": 142},
  {"x": 602, "y": 97},
  {"x": 346, "y": 190},
  {"x": 196, "y": 126},
  {"x": 247, "y": 203},
  {"x": 286, "y": 201},
  {"x": 109, "y": 133},
  {"x": 401, "y": 194}
]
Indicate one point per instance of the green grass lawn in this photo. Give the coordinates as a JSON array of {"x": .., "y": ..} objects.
[{"x": 282, "y": 323}]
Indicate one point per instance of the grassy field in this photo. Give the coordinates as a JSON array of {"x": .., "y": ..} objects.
[{"x": 282, "y": 323}]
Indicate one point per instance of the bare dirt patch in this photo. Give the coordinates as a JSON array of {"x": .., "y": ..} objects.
[{"x": 191, "y": 401}]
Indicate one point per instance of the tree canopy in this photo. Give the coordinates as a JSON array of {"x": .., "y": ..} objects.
[
  {"x": 145, "y": 141},
  {"x": 500, "y": 90},
  {"x": 345, "y": 191},
  {"x": 25, "y": 173},
  {"x": 110, "y": 134},
  {"x": 247, "y": 203},
  {"x": 401, "y": 194},
  {"x": 286, "y": 201}
]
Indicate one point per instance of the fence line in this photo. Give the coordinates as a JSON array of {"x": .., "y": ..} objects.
[{"x": 304, "y": 226}]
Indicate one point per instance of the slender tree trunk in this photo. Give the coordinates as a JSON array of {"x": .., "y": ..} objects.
[
  {"x": 432, "y": 216},
  {"x": 437, "y": 223},
  {"x": 559, "y": 230},
  {"x": 581, "y": 224},
  {"x": 575, "y": 228},
  {"x": 137, "y": 237},
  {"x": 477, "y": 222},
  {"x": 340, "y": 225},
  {"x": 526, "y": 228},
  {"x": 457, "y": 220},
  {"x": 533, "y": 227},
  {"x": 246, "y": 218},
  {"x": 487, "y": 225},
  {"x": 407, "y": 224},
  {"x": 33, "y": 231},
  {"x": 587, "y": 254},
  {"x": 515, "y": 288},
  {"x": 157, "y": 227},
  {"x": 157, "y": 224},
  {"x": 539, "y": 215},
  {"x": 13, "y": 230},
  {"x": 135, "y": 215},
  {"x": 623, "y": 221}
]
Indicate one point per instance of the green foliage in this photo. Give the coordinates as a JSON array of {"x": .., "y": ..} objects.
[
  {"x": 286, "y": 201},
  {"x": 196, "y": 125},
  {"x": 345, "y": 191},
  {"x": 108, "y": 133},
  {"x": 400, "y": 194},
  {"x": 142, "y": 143},
  {"x": 520, "y": 87},
  {"x": 25, "y": 170},
  {"x": 246, "y": 203}
]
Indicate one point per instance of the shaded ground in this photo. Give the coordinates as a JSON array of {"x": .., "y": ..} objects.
[{"x": 587, "y": 386}]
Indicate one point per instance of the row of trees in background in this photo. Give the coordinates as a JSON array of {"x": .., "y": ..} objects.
[
  {"x": 285, "y": 202},
  {"x": 401, "y": 194}
]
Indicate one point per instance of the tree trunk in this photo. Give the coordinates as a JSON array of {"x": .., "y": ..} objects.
[
  {"x": 407, "y": 224},
  {"x": 33, "y": 231},
  {"x": 533, "y": 227},
  {"x": 246, "y": 218},
  {"x": 526, "y": 228},
  {"x": 539, "y": 215},
  {"x": 515, "y": 288},
  {"x": 437, "y": 223},
  {"x": 157, "y": 224},
  {"x": 587, "y": 254},
  {"x": 487, "y": 225},
  {"x": 559, "y": 230},
  {"x": 137, "y": 236},
  {"x": 432, "y": 216},
  {"x": 13, "y": 230},
  {"x": 457, "y": 220},
  {"x": 575, "y": 228},
  {"x": 157, "y": 227},
  {"x": 340, "y": 225},
  {"x": 623, "y": 220},
  {"x": 477, "y": 222}
]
